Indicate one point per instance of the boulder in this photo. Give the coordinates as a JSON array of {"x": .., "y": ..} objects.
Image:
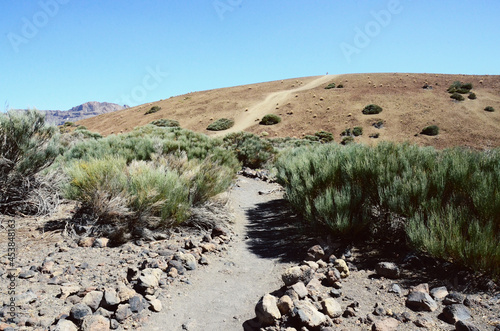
[
  {"x": 155, "y": 305},
  {"x": 420, "y": 301},
  {"x": 456, "y": 312},
  {"x": 439, "y": 293},
  {"x": 331, "y": 308},
  {"x": 95, "y": 323},
  {"x": 387, "y": 324},
  {"x": 267, "y": 311},
  {"x": 315, "y": 253},
  {"x": 465, "y": 326},
  {"x": 79, "y": 311},
  {"x": 292, "y": 275},
  {"x": 342, "y": 267},
  {"x": 388, "y": 270},
  {"x": 285, "y": 304},
  {"x": 123, "y": 312},
  {"x": 300, "y": 289},
  {"x": 111, "y": 297},
  {"x": 93, "y": 299},
  {"x": 308, "y": 315}
]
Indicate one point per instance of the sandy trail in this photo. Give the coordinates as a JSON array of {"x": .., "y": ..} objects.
[
  {"x": 268, "y": 105},
  {"x": 222, "y": 295}
]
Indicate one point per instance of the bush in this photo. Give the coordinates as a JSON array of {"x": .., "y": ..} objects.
[
  {"x": 153, "y": 109},
  {"x": 81, "y": 127},
  {"x": 432, "y": 130},
  {"x": 166, "y": 123},
  {"x": 270, "y": 119},
  {"x": 251, "y": 151},
  {"x": 347, "y": 140},
  {"x": 329, "y": 86},
  {"x": 311, "y": 137},
  {"x": 459, "y": 87},
  {"x": 357, "y": 131},
  {"x": 324, "y": 136},
  {"x": 27, "y": 146},
  {"x": 221, "y": 124},
  {"x": 372, "y": 109},
  {"x": 472, "y": 96},
  {"x": 489, "y": 108},
  {"x": 457, "y": 96},
  {"x": 449, "y": 199},
  {"x": 340, "y": 86}
]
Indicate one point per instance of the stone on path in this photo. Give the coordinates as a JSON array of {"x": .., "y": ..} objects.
[
  {"x": 420, "y": 301},
  {"x": 332, "y": 308},
  {"x": 267, "y": 310},
  {"x": 388, "y": 270},
  {"x": 308, "y": 314},
  {"x": 95, "y": 323},
  {"x": 388, "y": 324}
]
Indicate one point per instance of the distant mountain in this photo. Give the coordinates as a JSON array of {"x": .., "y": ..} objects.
[{"x": 86, "y": 110}]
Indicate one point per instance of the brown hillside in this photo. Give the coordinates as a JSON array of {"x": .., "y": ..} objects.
[{"x": 306, "y": 107}]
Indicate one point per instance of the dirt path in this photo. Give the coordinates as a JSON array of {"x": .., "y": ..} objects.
[
  {"x": 222, "y": 296},
  {"x": 247, "y": 119}
]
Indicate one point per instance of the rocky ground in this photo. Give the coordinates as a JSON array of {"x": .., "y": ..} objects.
[{"x": 256, "y": 271}]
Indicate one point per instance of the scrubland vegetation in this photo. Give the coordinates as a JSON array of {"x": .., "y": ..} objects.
[{"x": 445, "y": 203}]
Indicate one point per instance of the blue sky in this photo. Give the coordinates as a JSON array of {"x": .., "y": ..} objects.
[{"x": 56, "y": 54}]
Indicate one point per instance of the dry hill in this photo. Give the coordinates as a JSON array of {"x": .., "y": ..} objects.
[{"x": 307, "y": 107}]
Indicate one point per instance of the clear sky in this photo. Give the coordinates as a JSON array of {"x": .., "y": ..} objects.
[{"x": 56, "y": 54}]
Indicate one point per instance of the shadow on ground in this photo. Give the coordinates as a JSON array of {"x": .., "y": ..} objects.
[{"x": 275, "y": 232}]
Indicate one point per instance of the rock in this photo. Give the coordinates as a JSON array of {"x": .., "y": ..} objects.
[
  {"x": 103, "y": 312},
  {"x": 439, "y": 293},
  {"x": 465, "y": 326},
  {"x": 336, "y": 293},
  {"x": 313, "y": 265},
  {"x": 308, "y": 314},
  {"x": 188, "y": 261},
  {"x": 285, "y": 304},
  {"x": 315, "y": 253},
  {"x": 155, "y": 305},
  {"x": 424, "y": 288},
  {"x": 101, "y": 243},
  {"x": 455, "y": 312},
  {"x": 149, "y": 280},
  {"x": 208, "y": 247},
  {"x": 419, "y": 301},
  {"x": 93, "y": 299},
  {"x": 27, "y": 297},
  {"x": 395, "y": 288},
  {"x": 388, "y": 270},
  {"x": 125, "y": 292},
  {"x": 86, "y": 242},
  {"x": 176, "y": 265},
  {"x": 95, "y": 323},
  {"x": 292, "y": 275},
  {"x": 114, "y": 324},
  {"x": 219, "y": 230},
  {"x": 424, "y": 321},
  {"x": 332, "y": 277},
  {"x": 111, "y": 297},
  {"x": 267, "y": 311},
  {"x": 453, "y": 298},
  {"x": 388, "y": 324},
  {"x": 300, "y": 289},
  {"x": 65, "y": 325},
  {"x": 349, "y": 312},
  {"x": 123, "y": 312},
  {"x": 137, "y": 304},
  {"x": 341, "y": 266},
  {"x": 47, "y": 267},
  {"x": 27, "y": 274},
  {"x": 79, "y": 311},
  {"x": 203, "y": 260},
  {"x": 331, "y": 308}
]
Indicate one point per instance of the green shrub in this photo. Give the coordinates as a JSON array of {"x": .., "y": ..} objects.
[
  {"x": 457, "y": 96},
  {"x": 166, "y": 123},
  {"x": 68, "y": 124},
  {"x": 220, "y": 124},
  {"x": 372, "y": 109},
  {"x": 251, "y": 151},
  {"x": 346, "y": 132},
  {"x": 357, "y": 131},
  {"x": 489, "y": 108},
  {"x": 311, "y": 137},
  {"x": 375, "y": 135},
  {"x": 329, "y": 86},
  {"x": 27, "y": 146},
  {"x": 347, "y": 140},
  {"x": 448, "y": 198},
  {"x": 432, "y": 130},
  {"x": 153, "y": 109},
  {"x": 340, "y": 86},
  {"x": 472, "y": 96},
  {"x": 324, "y": 136},
  {"x": 270, "y": 119},
  {"x": 81, "y": 127},
  {"x": 459, "y": 87}
]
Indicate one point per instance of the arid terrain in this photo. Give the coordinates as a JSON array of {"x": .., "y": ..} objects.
[{"x": 306, "y": 107}]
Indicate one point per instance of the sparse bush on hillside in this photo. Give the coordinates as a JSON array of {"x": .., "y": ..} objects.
[
  {"x": 357, "y": 131},
  {"x": 221, "y": 124},
  {"x": 432, "y": 130},
  {"x": 372, "y": 109},
  {"x": 340, "y": 86},
  {"x": 270, "y": 119},
  {"x": 329, "y": 86},
  {"x": 324, "y": 136},
  {"x": 311, "y": 137},
  {"x": 81, "y": 127},
  {"x": 69, "y": 124},
  {"x": 251, "y": 151},
  {"x": 489, "y": 108},
  {"x": 448, "y": 198},
  {"x": 347, "y": 140},
  {"x": 472, "y": 96},
  {"x": 457, "y": 96},
  {"x": 459, "y": 87},
  {"x": 166, "y": 123},
  {"x": 153, "y": 109},
  {"x": 27, "y": 146}
]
